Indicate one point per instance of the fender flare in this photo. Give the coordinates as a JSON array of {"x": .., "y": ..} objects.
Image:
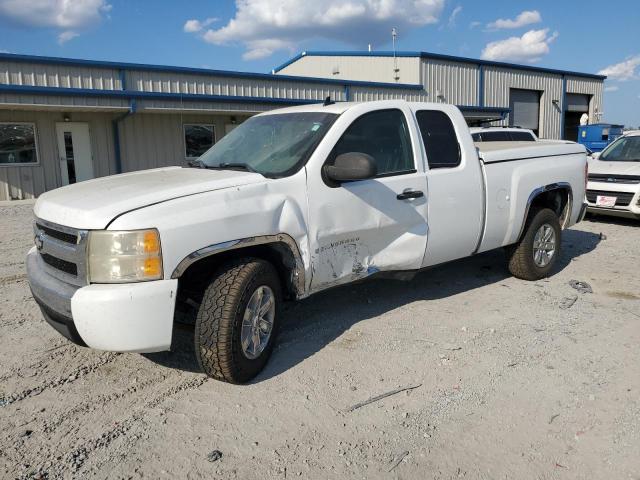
[
  {"x": 548, "y": 188},
  {"x": 297, "y": 269}
]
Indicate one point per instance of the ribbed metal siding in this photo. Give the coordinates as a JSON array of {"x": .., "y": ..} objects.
[
  {"x": 588, "y": 86},
  {"x": 498, "y": 82},
  {"x": 48, "y": 75},
  {"x": 157, "y": 140},
  {"x": 457, "y": 82},
  {"x": 211, "y": 85},
  {"x": 30, "y": 181},
  {"x": 61, "y": 101},
  {"x": 369, "y": 94},
  {"x": 368, "y": 69}
]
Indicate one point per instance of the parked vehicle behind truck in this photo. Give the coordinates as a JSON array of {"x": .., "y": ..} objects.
[
  {"x": 614, "y": 178},
  {"x": 290, "y": 203}
]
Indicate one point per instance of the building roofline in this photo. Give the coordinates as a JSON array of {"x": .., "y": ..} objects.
[
  {"x": 437, "y": 56},
  {"x": 12, "y": 57},
  {"x": 139, "y": 95}
]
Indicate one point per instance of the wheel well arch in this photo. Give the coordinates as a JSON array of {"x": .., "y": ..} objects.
[
  {"x": 556, "y": 196},
  {"x": 195, "y": 270}
]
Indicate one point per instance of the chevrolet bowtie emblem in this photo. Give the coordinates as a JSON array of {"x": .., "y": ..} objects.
[{"x": 39, "y": 241}]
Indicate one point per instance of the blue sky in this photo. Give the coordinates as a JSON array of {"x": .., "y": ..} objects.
[{"x": 257, "y": 35}]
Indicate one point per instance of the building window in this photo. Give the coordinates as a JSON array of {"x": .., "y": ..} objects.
[
  {"x": 198, "y": 138},
  {"x": 18, "y": 144}
]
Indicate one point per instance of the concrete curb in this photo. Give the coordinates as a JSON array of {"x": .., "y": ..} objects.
[{"x": 13, "y": 203}]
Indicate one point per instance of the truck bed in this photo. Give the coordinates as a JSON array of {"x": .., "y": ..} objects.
[{"x": 491, "y": 152}]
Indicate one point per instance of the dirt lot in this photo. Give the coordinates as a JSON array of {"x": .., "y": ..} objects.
[{"x": 516, "y": 380}]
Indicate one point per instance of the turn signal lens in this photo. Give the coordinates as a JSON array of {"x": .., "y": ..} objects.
[{"x": 124, "y": 256}]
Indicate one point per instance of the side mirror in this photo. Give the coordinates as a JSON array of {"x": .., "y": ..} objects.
[
  {"x": 351, "y": 166},
  {"x": 595, "y": 155}
]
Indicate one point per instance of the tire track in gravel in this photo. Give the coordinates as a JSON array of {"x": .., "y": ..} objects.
[
  {"x": 19, "y": 277},
  {"x": 52, "y": 353},
  {"x": 63, "y": 465},
  {"x": 98, "y": 403},
  {"x": 76, "y": 374}
]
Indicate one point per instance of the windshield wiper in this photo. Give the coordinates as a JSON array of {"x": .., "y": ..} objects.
[
  {"x": 197, "y": 164},
  {"x": 232, "y": 165}
]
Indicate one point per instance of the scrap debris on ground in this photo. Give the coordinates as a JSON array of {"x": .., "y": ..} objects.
[{"x": 517, "y": 380}]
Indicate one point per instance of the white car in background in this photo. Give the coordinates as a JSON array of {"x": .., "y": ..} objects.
[
  {"x": 614, "y": 178},
  {"x": 502, "y": 134}
]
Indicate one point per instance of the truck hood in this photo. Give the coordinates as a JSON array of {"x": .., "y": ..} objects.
[
  {"x": 95, "y": 203},
  {"x": 614, "y": 168}
]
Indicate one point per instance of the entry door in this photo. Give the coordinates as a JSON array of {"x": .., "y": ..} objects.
[
  {"x": 361, "y": 227},
  {"x": 74, "y": 152}
]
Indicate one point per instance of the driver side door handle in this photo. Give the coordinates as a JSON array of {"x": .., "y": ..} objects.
[{"x": 410, "y": 194}]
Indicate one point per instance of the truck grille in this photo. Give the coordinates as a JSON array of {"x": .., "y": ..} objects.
[
  {"x": 628, "y": 179},
  {"x": 59, "y": 264},
  {"x": 622, "y": 198},
  {"x": 63, "y": 251}
]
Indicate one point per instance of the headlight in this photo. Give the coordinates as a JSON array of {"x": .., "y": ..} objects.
[{"x": 124, "y": 256}]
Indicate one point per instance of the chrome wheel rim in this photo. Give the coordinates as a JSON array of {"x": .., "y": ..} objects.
[
  {"x": 257, "y": 322},
  {"x": 544, "y": 245}
]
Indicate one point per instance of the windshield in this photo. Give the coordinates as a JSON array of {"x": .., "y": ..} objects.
[
  {"x": 624, "y": 149},
  {"x": 274, "y": 145}
]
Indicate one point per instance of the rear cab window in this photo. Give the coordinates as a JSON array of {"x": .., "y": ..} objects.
[{"x": 439, "y": 138}]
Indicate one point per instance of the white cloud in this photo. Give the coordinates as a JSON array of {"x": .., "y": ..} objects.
[
  {"x": 265, "y": 26},
  {"x": 622, "y": 71},
  {"x": 530, "y": 47},
  {"x": 67, "y": 35},
  {"x": 611, "y": 88},
  {"x": 193, "y": 26},
  {"x": 70, "y": 16},
  {"x": 475, "y": 24},
  {"x": 452, "y": 18},
  {"x": 528, "y": 17}
]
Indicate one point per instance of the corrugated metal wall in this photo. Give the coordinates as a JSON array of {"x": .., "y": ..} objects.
[
  {"x": 18, "y": 183},
  {"x": 589, "y": 86},
  {"x": 62, "y": 76},
  {"x": 498, "y": 82},
  {"x": 151, "y": 141},
  {"x": 367, "y": 69},
  {"x": 456, "y": 82},
  {"x": 169, "y": 82}
]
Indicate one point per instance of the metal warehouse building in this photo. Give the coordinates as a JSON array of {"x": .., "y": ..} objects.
[
  {"x": 66, "y": 120},
  {"x": 548, "y": 101}
]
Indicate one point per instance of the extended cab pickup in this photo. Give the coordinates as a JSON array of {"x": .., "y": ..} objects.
[{"x": 291, "y": 202}]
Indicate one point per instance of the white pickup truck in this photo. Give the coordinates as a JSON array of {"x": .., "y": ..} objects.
[{"x": 291, "y": 202}]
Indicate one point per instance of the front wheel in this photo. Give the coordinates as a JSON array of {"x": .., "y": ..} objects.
[
  {"x": 534, "y": 256},
  {"x": 237, "y": 321}
]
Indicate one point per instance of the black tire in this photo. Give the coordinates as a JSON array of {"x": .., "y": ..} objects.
[
  {"x": 521, "y": 255},
  {"x": 219, "y": 321}
]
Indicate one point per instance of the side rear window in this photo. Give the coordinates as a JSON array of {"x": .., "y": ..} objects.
[
  {"x": 382, "y": 134},
  {"x": 439, "y": 137},
  {"x": 496, "y": 137},
  {"x": 522, "y": 137}
]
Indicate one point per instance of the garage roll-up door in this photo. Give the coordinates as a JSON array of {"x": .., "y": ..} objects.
[
  {"x": 525, "y": 108},
  {"x": 575, "y": 102}
]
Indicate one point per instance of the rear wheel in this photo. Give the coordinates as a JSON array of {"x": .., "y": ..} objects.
[
  {"x": 237, "y": 322},
  {"x": 534, "y": 256}
]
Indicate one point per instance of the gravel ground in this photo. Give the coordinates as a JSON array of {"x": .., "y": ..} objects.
[{"x": 513, "y": 380}]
